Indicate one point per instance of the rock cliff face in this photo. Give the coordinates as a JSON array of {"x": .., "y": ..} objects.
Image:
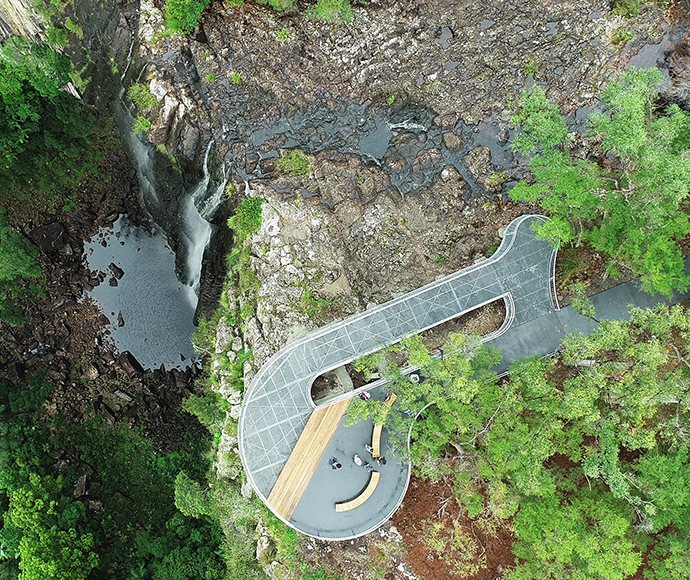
[
  {"x": 323, "y": 251},
  {"x": 409, "y": 105},
  {"x": 406, "y": 112},
  {"x": 19, "y": 17}
]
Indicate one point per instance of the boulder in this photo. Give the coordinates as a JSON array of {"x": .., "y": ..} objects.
[
  {"x": 130, "y": 364},
  {"x": 50, "y": 237}
]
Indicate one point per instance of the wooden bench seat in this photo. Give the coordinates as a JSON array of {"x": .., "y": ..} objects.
[
  {"x": 376, "y": 434},
  {"x": 345, "y": 506}
]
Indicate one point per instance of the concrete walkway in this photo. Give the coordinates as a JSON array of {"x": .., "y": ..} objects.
[{"x": 278, "y": 404}]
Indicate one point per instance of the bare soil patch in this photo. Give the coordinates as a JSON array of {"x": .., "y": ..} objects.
[{"x": 425, "y": 502}]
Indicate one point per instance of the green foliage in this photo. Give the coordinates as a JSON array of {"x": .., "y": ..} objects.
[
  {"x": 632, "y": 212},
  {"x": 50, "y": 547},
  {"x": 294, "y": 162},
  {"x": 74, "y": 28},
  {"x": 581, "y": 303},
  {"x": 331, "y": 11},
  {"x": 283, "y": 35},
  {"x": 621, "y": 35},
  {"x": 142, "y": 97},
  {"x": 542, "y": 124},
  {"x": 457, "y": 389},
  {"x": 204, "y": 338},
  {"x": 190, "y": 498},
  {"x": 210, "y": 77},
  {"x": 571, "y": 265},
  {"x": 247, "y": 218},
  {"x": 57, "y": 36},
  {"x": 18, "y": 264},
  {"x": 141, "y": 125},
  {"x": 209, "y": 409},
  {"x": 589, "y": 450},
  {"x": 46, "y": 135},
  {"x": 584, "y": 537},
  {"x": 235, "y": 78},
  {"x": 627, "y": 8},
  {"x": 281, "y": 5},
  {"x": 183, "y": 15}
]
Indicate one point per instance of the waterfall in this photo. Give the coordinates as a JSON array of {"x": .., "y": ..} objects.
[
  {"x": 139, "y": 149},
  {"x": 198, "y": 209},
  {"x": 195, "y": 209}
]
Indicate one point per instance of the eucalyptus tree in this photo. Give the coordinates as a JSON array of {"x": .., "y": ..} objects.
[{"x": 627, "y": 201}]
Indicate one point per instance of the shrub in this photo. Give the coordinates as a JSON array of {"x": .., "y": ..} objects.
[
  {"x": 331, "y": 11},
  {"x": 17, "y": 263},
  {"x": 627, "y": 7},
  {"x": 142, "y": 97},
  {"x": 294, "y": 162},
  {"x": 183, "y": 15},
  {"x": 141, "y": 125},
  {"x": 283, "y": 35},
  {"x": 247, "y": 218}
]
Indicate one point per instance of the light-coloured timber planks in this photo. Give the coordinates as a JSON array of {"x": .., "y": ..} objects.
[
  {"x": 376, "y": 433},
  {"x": 345, "y": 506},
  {"x": 305, "y": 457},
  {"x": 376, "y": 441}
]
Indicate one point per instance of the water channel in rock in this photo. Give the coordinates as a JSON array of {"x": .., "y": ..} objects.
[{"x": 158, "y": 294}]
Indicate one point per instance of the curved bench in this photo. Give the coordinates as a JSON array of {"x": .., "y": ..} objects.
[
  {"x": 376, "y": 435},
  {"x": 345, "y": 506}
]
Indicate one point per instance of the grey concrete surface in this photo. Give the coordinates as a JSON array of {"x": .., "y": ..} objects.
[{"x": 278, "y": 401}]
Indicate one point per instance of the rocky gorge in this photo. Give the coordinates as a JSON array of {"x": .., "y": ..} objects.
[{"x": 404, "y": 115}]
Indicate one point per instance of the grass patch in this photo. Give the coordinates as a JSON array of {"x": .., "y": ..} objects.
[{"x": 294, "y": 162}]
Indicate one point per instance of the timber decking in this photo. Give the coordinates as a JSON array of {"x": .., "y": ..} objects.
[
  {"x": 305, "y": 457},
  {"x": 345, "y": 506}
]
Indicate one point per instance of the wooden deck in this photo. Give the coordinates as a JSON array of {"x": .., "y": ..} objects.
[
  {"x": 305, "y": 457},
  {"x": 345, "y": 506}
]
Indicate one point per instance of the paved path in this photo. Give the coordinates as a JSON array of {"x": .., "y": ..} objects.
[{"x": 278, "y": 402}]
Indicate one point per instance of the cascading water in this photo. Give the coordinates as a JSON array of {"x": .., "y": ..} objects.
[
  {"x": 154, "y": 308},
  {"x": 197, "y": 209}
]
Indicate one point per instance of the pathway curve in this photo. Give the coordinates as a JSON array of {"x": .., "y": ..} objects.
[{"x": 278, "y": 402}]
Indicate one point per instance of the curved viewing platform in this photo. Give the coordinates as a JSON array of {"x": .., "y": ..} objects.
[{"x": 287, "y": 444}]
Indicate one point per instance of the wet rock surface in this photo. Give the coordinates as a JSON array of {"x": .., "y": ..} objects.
[
  {"x": 410, "y": 103},
  {"x": 330, "y": 244}
]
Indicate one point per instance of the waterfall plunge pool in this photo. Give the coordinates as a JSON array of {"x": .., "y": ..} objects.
[{"x": 151, "y": 312}]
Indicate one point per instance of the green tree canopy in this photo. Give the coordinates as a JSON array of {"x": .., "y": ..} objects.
[
  {"x": 46, "y": 134},
  {"x": 18, "y": 264},
  {"x": 627, "y": 205}
]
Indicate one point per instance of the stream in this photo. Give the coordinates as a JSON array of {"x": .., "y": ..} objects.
[{"x": 152, "y": 307}]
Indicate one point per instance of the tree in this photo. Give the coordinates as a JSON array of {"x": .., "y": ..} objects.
[
  {"x": 183, "y": 15},
  {"x": 18, "y": 264},
  {"x": 586, "y": 536},
  {"x": 51, "y": 545},
  {"x": 627, "y": 205},
  {"x": 47, "y": 137},
  {"x": 456, "y": 393},
  {"x": 190, "y": 498}
]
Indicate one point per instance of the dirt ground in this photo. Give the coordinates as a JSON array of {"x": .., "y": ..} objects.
[{"x": 492, "y": 543}]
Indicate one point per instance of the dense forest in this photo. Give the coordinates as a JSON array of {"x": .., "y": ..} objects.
[{"x": 582, "y": 456}]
